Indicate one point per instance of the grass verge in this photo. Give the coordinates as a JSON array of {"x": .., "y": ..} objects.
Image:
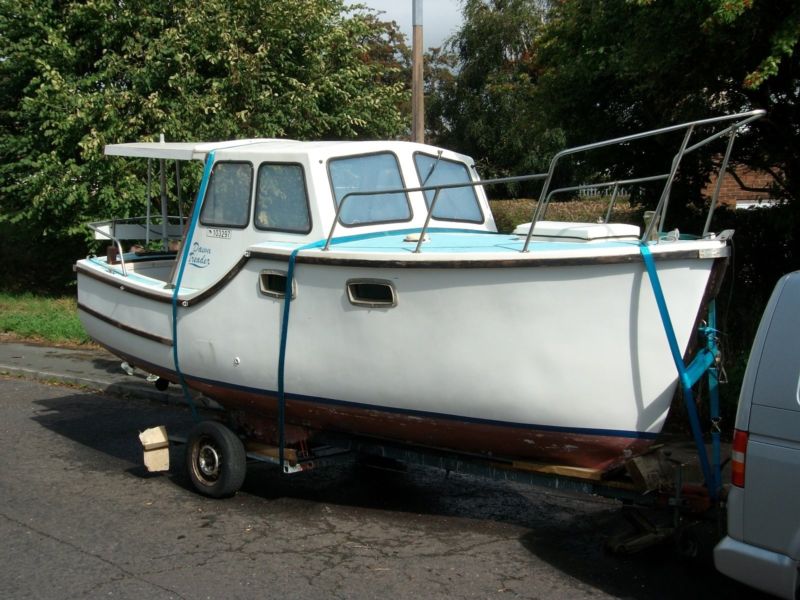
[{"x": 41, "y": 318}]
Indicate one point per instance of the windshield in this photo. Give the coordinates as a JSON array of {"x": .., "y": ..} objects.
[
  {"x": 369, "y": 173},
  {"x": 456, "y": 204}
]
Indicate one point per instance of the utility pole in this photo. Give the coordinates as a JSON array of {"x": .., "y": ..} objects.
[{"x": 417, "y": 87}]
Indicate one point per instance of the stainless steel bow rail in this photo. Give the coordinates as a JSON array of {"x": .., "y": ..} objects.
[
  {"x": 734, "y": 124},
  {"x": 739, "y": 121}
]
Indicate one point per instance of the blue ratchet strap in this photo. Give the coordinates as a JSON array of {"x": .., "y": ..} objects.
[
  {"x": 287, "y": 302},
  {"x": 710, "y": 331},
  {"x": 285, "y": 321},
  {"x": 683, "y": 374},
  {"x": 184, "y": 259}
]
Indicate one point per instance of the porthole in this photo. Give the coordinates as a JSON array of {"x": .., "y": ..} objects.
[
  {"x": 273, "y": 283},
  {"x": 372, "y": 293}
]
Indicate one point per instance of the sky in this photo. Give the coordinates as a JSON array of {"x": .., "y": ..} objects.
[{"x": 440, "y": 18}]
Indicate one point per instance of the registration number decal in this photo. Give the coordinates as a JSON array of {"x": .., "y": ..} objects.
[{"x": 223, "y": 234}]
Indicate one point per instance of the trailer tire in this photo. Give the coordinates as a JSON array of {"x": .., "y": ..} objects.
[{"x": 215, "y": 460}]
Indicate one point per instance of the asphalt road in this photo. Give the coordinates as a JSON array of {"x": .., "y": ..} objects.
[{"x": 81, "y": 518}]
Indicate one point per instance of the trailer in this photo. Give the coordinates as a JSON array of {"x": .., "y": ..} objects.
[{"x": 679, "y": 480}]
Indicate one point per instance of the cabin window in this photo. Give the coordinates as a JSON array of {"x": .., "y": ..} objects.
[
  {"x": 227, "y": 201},
  {"x": 369, "y": 173},
  {"x": 281, "y": 198},
  {"x": 455, "y": 204}
]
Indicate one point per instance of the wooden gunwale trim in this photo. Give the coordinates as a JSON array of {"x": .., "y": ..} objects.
[
  {"x": 502, "y": 263},
  {"x": 123, "y": 326}
]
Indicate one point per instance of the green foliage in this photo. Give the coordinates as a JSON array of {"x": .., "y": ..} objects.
[
  {"x": 613, "y": 67},
  {"x": 531, "y": 77},
  {"x": 486, "y": 108},
  {"x": 41, "y": 318},
  {"x": 77, "y": 75},
  {"x": 783, "y": 39}
]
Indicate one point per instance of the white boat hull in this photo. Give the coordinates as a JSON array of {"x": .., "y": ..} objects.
[{"x": 566, "y": 363}]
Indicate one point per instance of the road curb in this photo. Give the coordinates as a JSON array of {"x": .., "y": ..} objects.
[{"x": 116, "y": 388}]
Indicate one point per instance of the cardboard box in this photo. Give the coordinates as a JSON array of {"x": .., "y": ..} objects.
[{"x": 156, "y": 448}]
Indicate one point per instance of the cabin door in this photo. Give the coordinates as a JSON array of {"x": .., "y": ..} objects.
[{"x": 221, "y": 235}]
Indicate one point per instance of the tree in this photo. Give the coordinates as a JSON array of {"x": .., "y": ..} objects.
[
  {"x": 78, "y": 74},
  {"x": 533, "y": 76},
  {"x": 611, "y": 67},
  {"x": 439, "y": 73},
  {"x": 485, "y": 105}
]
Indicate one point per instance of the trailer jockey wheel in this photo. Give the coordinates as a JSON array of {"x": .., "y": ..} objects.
[{"x": 215, "y": 460}]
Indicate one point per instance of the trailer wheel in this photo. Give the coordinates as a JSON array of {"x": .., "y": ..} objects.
[
  {"x": 162, "y": 384},
  {"x": 215, "y": 460}
]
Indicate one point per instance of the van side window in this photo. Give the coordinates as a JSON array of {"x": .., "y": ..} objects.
[
  {"x": 369, "y": 173},
  {"x": 281, "y": 198},
  {"x": 227, "y": 201},
  {"x": 455, "y": 204}
]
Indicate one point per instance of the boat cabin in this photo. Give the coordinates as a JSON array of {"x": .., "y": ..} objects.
[{"x": 266, "y": 190}]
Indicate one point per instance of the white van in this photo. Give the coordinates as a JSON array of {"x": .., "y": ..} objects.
[{"x": 762, "y": 548}]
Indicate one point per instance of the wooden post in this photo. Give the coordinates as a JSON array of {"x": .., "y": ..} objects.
[{"x": 417, "y": 87}]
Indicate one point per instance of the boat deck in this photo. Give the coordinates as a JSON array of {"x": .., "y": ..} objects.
[{"x": 453, "y": 244}]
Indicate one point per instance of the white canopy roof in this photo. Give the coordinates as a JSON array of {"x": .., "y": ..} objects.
[{"x": 174, "y": 150}]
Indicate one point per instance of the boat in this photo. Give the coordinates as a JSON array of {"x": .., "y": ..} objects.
[{"x": 362, "y": 288}]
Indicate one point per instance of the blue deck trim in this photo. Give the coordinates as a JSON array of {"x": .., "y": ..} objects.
[
  {"x": 451, "y": 241},
  {"x": 446, "y": 240},
  {"x": 150, "y": 282}
]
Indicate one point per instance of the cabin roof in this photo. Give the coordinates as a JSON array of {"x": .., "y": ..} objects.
[
  {"x": 262, "y": 146},
  {"x": 176, "y": 150}
]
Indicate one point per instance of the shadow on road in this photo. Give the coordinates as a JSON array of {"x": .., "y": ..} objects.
[
  {"x": 111, "y": 426},
  {"x": 565, "y": 531},
  {"x": 107, "y": 425},
  {"x": 576, "y": 547}
]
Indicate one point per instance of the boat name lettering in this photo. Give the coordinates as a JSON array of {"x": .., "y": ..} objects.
[
  {"x": 223, "y": 234},
  {"x": 200, "y": 256}
]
